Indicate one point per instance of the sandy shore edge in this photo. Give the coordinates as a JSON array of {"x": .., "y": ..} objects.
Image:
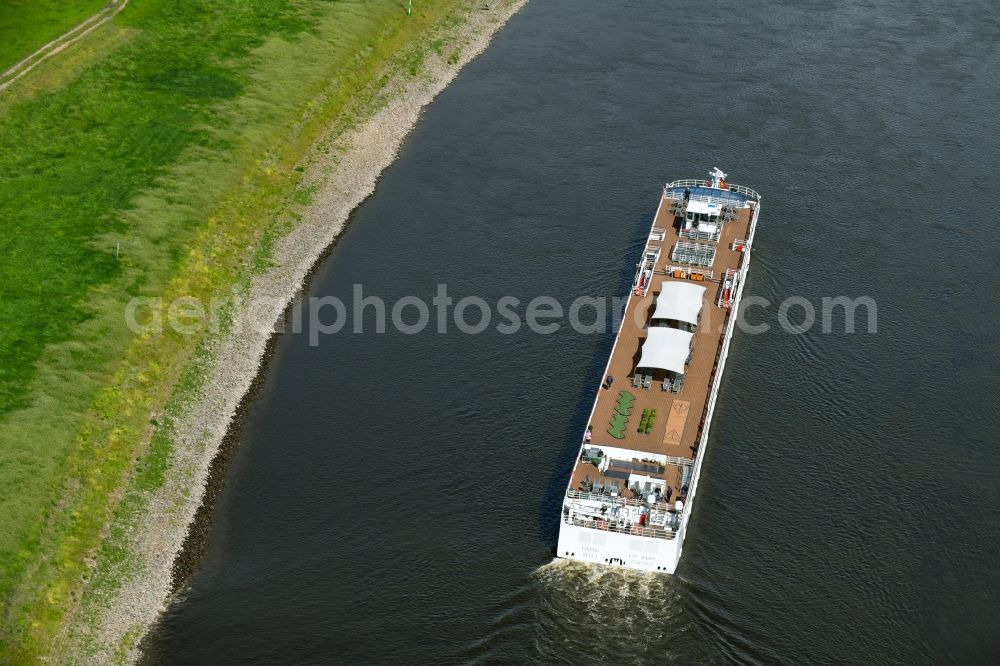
[{"x": 344, "y": 170}]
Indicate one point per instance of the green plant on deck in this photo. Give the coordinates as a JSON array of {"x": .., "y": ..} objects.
[{"x": 643, "y": 421}]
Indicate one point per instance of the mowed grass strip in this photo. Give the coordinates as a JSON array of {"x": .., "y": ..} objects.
[
  {"x": 179, "y": 145},
  {"x": 27, "y": 25},
  {"x": 71, "y": 160}
]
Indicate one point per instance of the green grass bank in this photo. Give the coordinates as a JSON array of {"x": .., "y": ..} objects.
[
  {"x": 26, "y": 25},
  {"x": 153, "y": 159}
]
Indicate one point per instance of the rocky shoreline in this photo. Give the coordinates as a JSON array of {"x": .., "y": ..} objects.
[{"x": 343, "y": 170}]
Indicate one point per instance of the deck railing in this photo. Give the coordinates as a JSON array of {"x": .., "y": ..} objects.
[
  {"x": 695, "y": 182},
  {"x": 635, "y": 530},
  {"x": 746, "y": 191},
  {"x": 698, "y": 235},
  {"x": 662, "y": 505},
  {"x": 644, "y": 274},
  {"x": 688, "y": 271},
  {"x": 697, "y": 254},
  {"x": 678, "y": 460},
  {"x": 728, "y": 293},
  {"x": 687, "y": 182}
]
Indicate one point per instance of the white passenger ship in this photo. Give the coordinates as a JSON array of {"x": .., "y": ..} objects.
[{"x": 632, "y": 489}]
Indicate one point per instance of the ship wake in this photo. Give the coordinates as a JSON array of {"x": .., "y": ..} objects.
[{"x": 598, "y": 614}]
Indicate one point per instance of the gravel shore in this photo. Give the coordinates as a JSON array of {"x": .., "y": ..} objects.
[{"x": 345, "y": 171}]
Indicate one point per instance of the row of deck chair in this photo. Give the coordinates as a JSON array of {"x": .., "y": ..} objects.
[
  {"x": 641, "y": 380},
  {"x": 673, "y": 384},
  {"x": 609, "y": 486}
]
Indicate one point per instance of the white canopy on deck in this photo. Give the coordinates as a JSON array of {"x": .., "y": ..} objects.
[
  {"x": 680, "y": 301},
  {"x": 665, "y": 348}
]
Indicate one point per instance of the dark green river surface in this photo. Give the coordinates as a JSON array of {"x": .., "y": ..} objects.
[{"x": 394, "y": 498}]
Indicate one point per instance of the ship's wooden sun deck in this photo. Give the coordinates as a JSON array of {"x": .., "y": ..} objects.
[{"x": 678, "y": 415}]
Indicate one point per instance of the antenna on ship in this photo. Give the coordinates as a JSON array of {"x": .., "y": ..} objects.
[{"x": 718, "y": 178}]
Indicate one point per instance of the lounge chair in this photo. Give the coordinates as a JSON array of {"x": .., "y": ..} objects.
[
  {"x": 637, "y": 380},
  {"x": 647, "y": 382},
  {"x": 668, "y": 384}
]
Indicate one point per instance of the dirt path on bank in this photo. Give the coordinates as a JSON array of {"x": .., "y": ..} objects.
[{"x": 61, "y": 43}]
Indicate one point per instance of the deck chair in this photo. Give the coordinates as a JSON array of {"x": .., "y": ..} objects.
[
  {"x": 636, "y": 380},
  {"x": 668, "y": 384},
  {"x": 647, "y": 382}
]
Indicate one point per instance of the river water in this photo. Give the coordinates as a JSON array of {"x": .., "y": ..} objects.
[{"x": 394, "y": 497}]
